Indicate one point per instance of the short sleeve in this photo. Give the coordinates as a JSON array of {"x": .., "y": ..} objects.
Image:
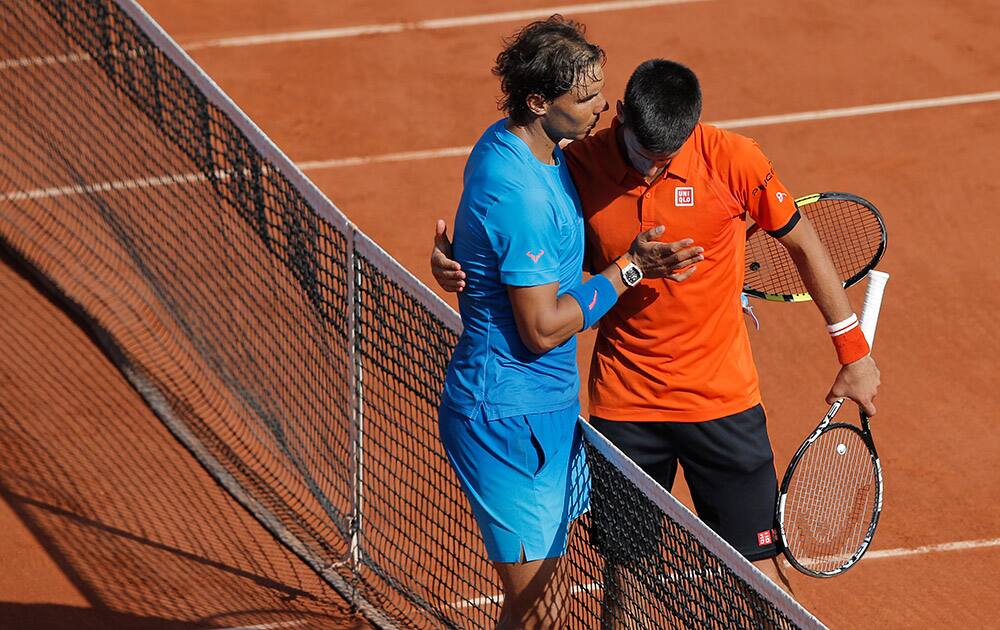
[
  {"x": 524, "y": 234},
  {"x": 755, "y": 184}
]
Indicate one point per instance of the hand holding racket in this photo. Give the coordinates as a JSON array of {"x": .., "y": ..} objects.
[{"x": 831, "y": 495}]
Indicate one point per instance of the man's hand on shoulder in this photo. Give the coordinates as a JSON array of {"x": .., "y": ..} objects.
[
  {"x": 858, "y": 381},
  {"x": 447, "y": 272}
]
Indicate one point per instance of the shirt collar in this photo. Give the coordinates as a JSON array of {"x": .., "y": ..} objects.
[{"x": 680, "y": 165}]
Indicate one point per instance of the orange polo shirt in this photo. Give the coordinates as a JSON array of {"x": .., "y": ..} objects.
[{"x": 677, "y": 351}]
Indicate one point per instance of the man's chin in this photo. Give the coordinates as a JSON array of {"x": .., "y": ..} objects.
[{"x": 586, "y": 132}]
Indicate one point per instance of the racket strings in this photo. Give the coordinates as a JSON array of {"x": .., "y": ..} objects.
[
  {"x": 827, "y": 529},
  {"x": 830, "y": 501},
  {"x": 850, "y": 230}
]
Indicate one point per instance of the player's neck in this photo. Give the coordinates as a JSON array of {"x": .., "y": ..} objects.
[{"x": 538, "y": 141}]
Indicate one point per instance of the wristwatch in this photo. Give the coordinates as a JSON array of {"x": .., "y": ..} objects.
[{"x": 631, "y": 273}]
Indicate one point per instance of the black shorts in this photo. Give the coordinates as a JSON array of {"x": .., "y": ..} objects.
[{"x": 728, "y": 465}]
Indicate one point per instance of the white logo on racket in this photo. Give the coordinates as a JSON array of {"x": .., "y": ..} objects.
[
  {"x": 684, "y": 196},
  {"x": 781, "y": 196}
]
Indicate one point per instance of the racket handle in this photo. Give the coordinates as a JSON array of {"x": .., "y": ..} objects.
[{"x": 873, "y": 304}]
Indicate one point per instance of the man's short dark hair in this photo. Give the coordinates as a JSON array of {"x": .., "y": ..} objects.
[
  {"x": 548, "y": 58},
  {"x": 662, "y": 104}
]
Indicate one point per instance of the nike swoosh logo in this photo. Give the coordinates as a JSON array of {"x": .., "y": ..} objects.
[
  {"x": 593, "y": 302},
  {"x": 534, "y": 257}
]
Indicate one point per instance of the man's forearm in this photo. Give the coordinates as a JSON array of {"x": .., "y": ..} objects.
[
  {"x": 858, "y": 378},
  {"x": 813, "y": 262},
  {"x": 545, "y": 321}
]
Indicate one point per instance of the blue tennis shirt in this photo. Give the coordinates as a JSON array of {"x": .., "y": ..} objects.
[{"x": 519, "y": 223}]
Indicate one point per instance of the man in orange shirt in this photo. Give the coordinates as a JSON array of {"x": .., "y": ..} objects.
[{"x": 672, "y": 377}]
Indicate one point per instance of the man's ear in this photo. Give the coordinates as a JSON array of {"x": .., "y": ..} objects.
[
  {"x": 537, "y": 104},
  {"x": 620, "y": 111}
]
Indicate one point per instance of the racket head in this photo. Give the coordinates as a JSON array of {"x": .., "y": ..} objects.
[
  {"x": 830, "y": 501},
  {"x": 851, "y": 228}
]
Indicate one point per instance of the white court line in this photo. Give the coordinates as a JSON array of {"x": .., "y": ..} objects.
[
  {"x": 479, "y": 602},
  {"x": 916, "y": 551},
  {"x": 462, "y": 151},
  {"x": 67, "y": 58},
  {"x": 371, "y": 29},
  {"x": 404, "y": 156},
  {"x": 123, "y": 184},
  {"x": 49, "y": 60},
  {"x": 426, "y": 25},
  {"x": 762, "y": 121},
  {"x": 864, "y": 110},
  {"x": 126, "y": 184}
]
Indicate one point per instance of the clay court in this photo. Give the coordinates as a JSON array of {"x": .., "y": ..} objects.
[{"x": 378, "y": 103}]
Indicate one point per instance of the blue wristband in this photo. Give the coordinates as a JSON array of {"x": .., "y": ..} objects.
[{"x": 595, "y": 297}]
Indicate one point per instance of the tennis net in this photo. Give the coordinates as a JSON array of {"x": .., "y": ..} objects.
[{"x": 297, "y": 361}]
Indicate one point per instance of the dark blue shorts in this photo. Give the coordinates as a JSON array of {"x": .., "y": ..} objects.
[{"x": 728, "y": 465}]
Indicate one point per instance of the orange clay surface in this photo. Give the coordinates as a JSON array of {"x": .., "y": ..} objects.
[{"x": 88, "y": 545}]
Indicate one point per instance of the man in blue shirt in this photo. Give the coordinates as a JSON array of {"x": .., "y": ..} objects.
[
  {"x": 519, "y": 224},
  {"x": 508, "y": 417}
]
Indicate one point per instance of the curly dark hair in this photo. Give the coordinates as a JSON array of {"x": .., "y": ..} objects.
[{"x": 548, "y": 58}]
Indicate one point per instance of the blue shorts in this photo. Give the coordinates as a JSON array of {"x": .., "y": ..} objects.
[{"x": 525, "y": 477}]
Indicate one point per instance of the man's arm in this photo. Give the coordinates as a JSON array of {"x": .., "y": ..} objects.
[
  {"x": 858, "y": 380},
  {"x": 674, "y": 261},
  {"x": 544, "y": 320}
]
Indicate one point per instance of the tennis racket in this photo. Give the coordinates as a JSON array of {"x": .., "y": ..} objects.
[
  {"x": 850, "y": 227},
  {"x": 831, "y": 495}
]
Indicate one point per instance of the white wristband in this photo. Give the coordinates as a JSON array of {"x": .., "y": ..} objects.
[{"x": 841, "y": 327}]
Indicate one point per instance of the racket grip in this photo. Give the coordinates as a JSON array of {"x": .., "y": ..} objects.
[{"x": 873, "y": 304}]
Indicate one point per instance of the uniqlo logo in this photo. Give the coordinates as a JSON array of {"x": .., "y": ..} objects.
[
  {"x": 765, "y": 538},
  {"x": 684, "y": 196}
]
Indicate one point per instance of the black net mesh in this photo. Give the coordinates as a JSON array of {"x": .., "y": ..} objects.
[{"x": 298, "y": 363}]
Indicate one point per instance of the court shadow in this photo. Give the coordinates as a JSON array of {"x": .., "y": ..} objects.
[
  {"x": 58, "y": 617},
  {"x": 130, "y": 518}
]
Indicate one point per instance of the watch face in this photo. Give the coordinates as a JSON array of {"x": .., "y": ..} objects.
[{"x": 631, "y": 275}]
